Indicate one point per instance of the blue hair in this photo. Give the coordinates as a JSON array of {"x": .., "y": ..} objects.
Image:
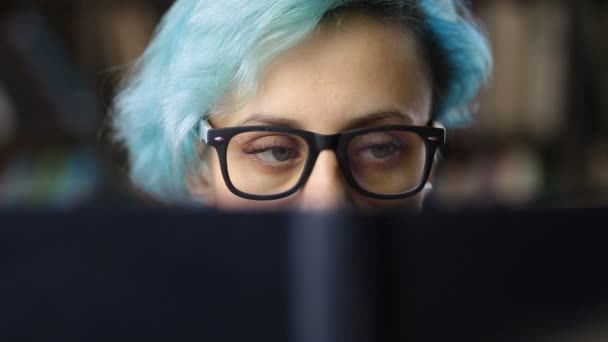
[{"x": 203, "y": 49}]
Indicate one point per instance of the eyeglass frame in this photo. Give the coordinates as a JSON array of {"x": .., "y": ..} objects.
[{"x": 219, "y": 138}]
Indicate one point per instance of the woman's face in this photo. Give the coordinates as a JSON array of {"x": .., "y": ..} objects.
[{"x": 351, "y": 73}]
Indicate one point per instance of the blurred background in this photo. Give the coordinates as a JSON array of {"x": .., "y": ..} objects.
[{"x": 540, "y": 137}]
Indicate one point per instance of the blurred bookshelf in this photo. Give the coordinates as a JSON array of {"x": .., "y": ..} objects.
[
  {"x": 60, "y": 63},
  {"x": 540, "y": 136},
  {"x": 541, "y": 133}
]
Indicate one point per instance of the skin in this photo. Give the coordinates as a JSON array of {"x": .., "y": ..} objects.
[{"x": 357, "y": 71}]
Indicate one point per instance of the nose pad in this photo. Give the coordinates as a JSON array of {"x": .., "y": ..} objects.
[{"x": 325, "y": 188}]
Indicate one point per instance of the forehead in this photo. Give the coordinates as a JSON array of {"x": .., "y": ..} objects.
[{"x": 350, "y": 66}]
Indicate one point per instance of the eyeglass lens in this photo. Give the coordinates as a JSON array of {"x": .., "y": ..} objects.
[
  {"x": 388, "y": 162},
  {"x": 269, "y": 163}
]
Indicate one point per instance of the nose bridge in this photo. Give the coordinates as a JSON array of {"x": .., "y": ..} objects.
[{"x": 325, "y": 188}]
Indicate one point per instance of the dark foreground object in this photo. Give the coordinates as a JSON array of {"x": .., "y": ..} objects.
[{"x": 100, "y": 275}]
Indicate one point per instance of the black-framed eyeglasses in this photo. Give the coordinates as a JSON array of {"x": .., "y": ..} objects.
[{"x": 268, "y": 162}]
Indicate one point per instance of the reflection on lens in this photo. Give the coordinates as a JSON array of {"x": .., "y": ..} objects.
[
  {"x": 266, "y": 163},
  {"x": 387, "y": 162}
]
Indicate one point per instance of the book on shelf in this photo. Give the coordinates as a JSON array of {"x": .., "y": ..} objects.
[
  {"x": 45, "y": 78},
  {"x": 527, "y": 93},
  {"x": 118, "y": 33}
]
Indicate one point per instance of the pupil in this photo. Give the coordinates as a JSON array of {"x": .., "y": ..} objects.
[
  {"x": 281, "y": 153},
  {"x": 382, "y": 151}
]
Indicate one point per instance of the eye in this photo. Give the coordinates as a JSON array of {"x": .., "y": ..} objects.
[
  {"x": 383, "y": 151},
  {"x": 274, "y": 150},
  {"x": 378, "y": 153},
  {"x": 377, "y": 147},
  {"x": 276, "y": 154}
]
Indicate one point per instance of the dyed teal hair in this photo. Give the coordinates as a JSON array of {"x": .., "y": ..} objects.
[{"x": 204, "y": 48}]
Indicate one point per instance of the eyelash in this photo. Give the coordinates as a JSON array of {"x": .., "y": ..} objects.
[{"x": 264, "y": 147}]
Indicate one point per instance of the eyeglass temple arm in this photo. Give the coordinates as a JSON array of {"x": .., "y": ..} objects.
[
  {"x": 203, "y": 129},
  {"x": 437, "y": 124}
]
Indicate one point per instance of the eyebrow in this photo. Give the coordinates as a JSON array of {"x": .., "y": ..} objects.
[
  {"x": 271, "y": 120},
  {"x": 372, "y": 118},
  {"x": 365, "y": 120}
]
